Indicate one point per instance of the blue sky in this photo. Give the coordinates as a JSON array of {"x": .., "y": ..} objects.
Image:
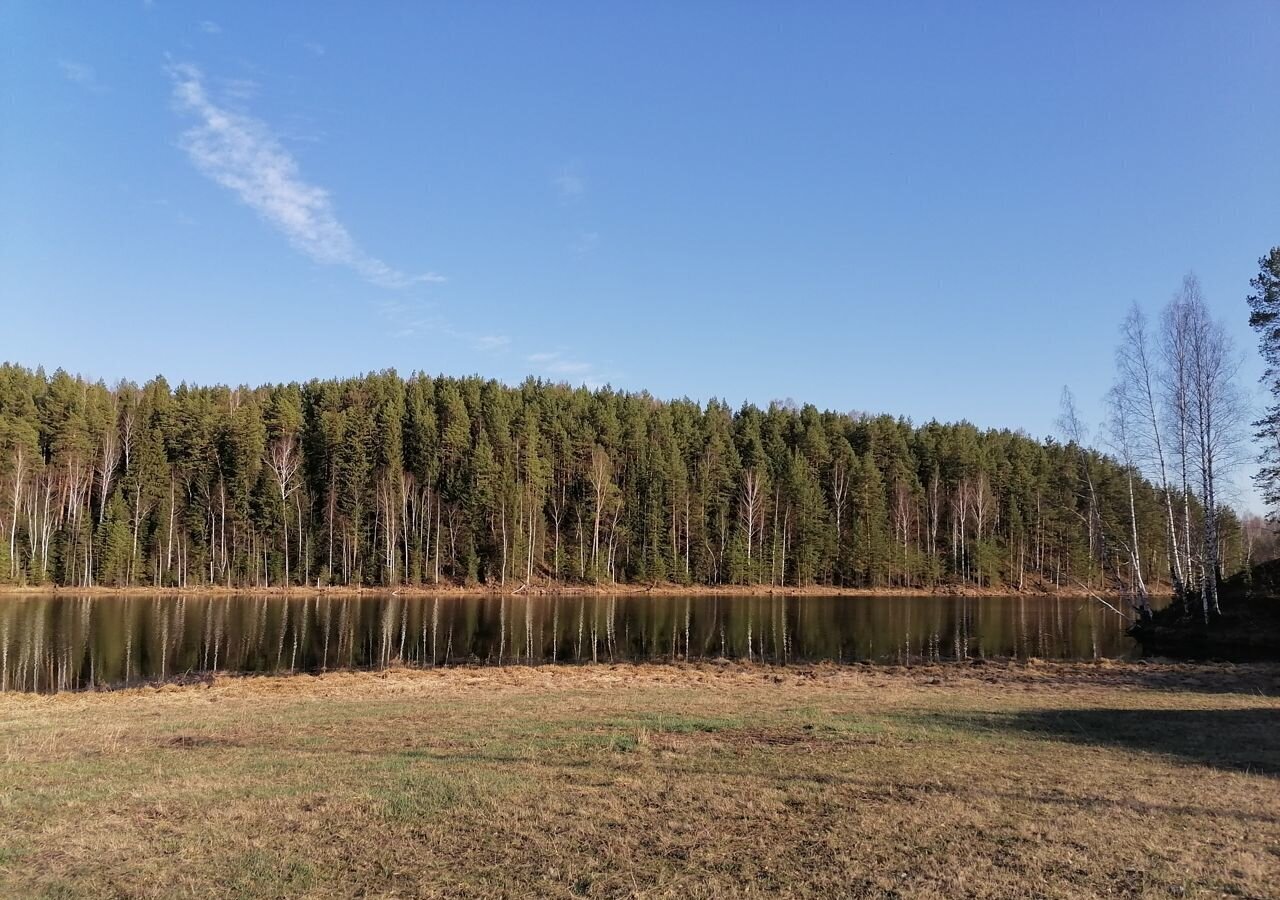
[{"x": 921, "y": 209}]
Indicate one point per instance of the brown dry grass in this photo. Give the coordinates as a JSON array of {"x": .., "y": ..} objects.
[{"x": 948, "y": 781}]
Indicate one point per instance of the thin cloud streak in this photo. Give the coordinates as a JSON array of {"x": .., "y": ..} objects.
[
  {"x": 557, "y": 364},
  {"x": 586, "y": 242},
  {"x": 570, "y": 184},
  {"x": 416, "y": 319},
  {"x": 243, "y": 155},
  {"x": 413, "y": 319},
  {"x": 81, "y": 74}
]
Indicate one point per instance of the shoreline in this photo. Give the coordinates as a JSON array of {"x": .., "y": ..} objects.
[
  {"x": 1256, "y": 677},
  {"x": 563, "y": 590},
  {"x": 1262, "y": 675}
]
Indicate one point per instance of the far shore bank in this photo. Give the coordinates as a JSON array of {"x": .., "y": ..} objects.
[{"x": 571, "y": 589}]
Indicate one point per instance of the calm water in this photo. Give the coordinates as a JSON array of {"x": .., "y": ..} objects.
[{"x": 68, "y": 643}]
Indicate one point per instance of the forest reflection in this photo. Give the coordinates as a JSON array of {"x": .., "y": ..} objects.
[{"x": 75, "y": 643}]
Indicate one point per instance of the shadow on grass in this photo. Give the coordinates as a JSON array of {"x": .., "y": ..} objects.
[
  {"x": 1246, "y": 740},
  {"x": 1259, "y": 679},
  {"x": 1252, "y": 679}
]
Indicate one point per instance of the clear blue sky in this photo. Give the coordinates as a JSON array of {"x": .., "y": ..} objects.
[{"x": 938, "y": 210}]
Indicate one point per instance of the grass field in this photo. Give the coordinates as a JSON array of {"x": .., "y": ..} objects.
[{"x": 1002, "y": 780}]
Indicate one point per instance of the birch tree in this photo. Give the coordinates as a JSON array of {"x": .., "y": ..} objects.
[
  {"x": 283, "y": 460},
  {"x": 600, "y": 477},
  {"x": 1137, "y": 393},
  {"x": 1217, "y": 409},
  {"x": 1122, "y": 430},
  {"x": 1077, "y": 436},
  {"x": 751, "y": 508},
  {"x": 378, "y": 480},
  {"x": 1175, "y": 345}
]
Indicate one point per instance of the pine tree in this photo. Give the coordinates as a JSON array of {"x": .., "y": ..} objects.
[
  {"x": 1264, "y": 318},
  {"x": 379, "y": 479}
]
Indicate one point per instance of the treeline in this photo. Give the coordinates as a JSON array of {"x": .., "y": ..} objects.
[{"x": 382, "y": 480}]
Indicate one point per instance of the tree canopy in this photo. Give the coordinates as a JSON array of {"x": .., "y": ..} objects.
[{"x": 384, "y": 480}]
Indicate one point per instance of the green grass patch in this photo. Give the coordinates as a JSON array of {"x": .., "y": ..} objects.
[
  {"x": 418, "y": 794},
  {"x": 259, "y": 874},
  {"x": 666, "y": 723}
]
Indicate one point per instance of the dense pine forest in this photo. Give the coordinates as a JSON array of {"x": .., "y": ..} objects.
[{"x": 383, "y": 480}]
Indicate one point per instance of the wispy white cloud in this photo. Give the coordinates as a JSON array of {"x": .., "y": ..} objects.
[
  {"x": 557, "y": 364},
  {"x": 570, "y": 183},
  {"x": 585, "y": 242},
  {"x": 178, "y": 215},
  {"x": 315, "y": 47},
  {"x": 238, "y": 88},
  {"x": 81, "y": 74},
  {"x": 209, "y": 27},
  {"x": 408, "y": 319},
  {"x": 300, "y": 128},
  {"x": 492, "y": 342},
  {"x": 243, "y": 155}
]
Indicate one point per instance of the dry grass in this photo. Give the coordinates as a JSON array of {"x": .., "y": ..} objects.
[{"x": 949, "y": 781}]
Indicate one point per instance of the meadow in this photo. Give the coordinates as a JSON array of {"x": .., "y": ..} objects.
[{"x": 999, "y": 779}]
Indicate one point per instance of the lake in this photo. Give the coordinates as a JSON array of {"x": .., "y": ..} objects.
[{"x": 74, "y": 643}]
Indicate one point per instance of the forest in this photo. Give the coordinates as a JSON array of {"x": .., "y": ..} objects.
[{"x": 385, "y": 480}]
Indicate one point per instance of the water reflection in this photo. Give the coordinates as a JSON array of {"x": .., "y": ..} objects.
[{"x": 69, "y": 643}]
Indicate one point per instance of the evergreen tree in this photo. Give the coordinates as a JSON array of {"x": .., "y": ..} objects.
[
  {"x": 380, "y": 480},
  {"x": 1264, "y": 318}
]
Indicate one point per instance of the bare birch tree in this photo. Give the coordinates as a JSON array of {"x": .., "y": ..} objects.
[
  {"x": 284, "y": 460},
  {"x": 1218, "y": 414},
  {"x": 751, "y": 508},
  {"x": 1123, "y": 440},
  {"x": 1175, "y": 346},
  {"x": 108, "y": 457},
  {"x": 1077, "y": 435},
  {"x": 600, "y": 476},
  {"x": 18, "y": 478},
  {"x": 1137, "y": 389}
]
